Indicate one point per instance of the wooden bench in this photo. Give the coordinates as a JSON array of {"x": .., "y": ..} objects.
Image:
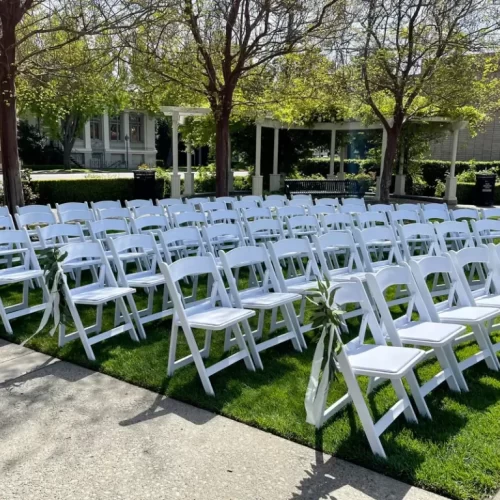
[{"x": 327, "y": 188}]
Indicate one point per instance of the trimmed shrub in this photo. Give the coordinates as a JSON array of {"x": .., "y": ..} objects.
[
  {"x": 321, "y": 166},
  {"x": 466, "y": 193}
]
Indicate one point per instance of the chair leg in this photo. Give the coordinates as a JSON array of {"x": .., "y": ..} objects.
[
  {"x": 5, "y": 319},
  {"x": 296, "y": 342},
  {"x": 446, "y": 364},
  {"x": 81, "y": 331},
  {"x": 173, "y": 349},
  {"x": 135, "y": 316},
  {"x": 417, "y": 395},
  {"x": 484, "y": 341},
  {"x": 120, "y": 304},
  {"x": 208, "y": 344},
  {"x": 253, "y": 358},
  {"x": 459, "y": 376},
  {"x": 401, "y": 393}
]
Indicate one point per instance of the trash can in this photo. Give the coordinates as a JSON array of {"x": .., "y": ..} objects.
[
  {"x": 144, "y": 184},
  {"x": 485, "y": 189}
]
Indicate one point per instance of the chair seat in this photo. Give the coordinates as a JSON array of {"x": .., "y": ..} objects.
[
  {"x": 426, "y": 333},
  {"x": 145, "y": 279},
  {"x": 488, "y": 301},
  {"x": 12, "y": 275},
  {"x": 302, "y": 288},
  {"x": 217, "y": 318},
  {"x": 96, "y": 296},
  {"x": 346, "y": 276},
  {"x": 383, "y": 360},
  {"x": 468, "y": 314},
  {"x": 268, "y": 300}
]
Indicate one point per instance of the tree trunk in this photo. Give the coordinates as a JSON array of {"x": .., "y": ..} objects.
[
  {"x": 12, "y": 185},
  {"x": 221, "y": 151},
  {"x": 389, "y": 158},
  {"x": 69, "y": 128}
]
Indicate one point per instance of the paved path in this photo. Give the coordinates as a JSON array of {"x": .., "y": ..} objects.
[{"x": 67, "y": 432}]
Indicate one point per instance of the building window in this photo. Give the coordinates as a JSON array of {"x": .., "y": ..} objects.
[
  {"x": 115, "y": 128},
  {"x": 136, "y": 127},
  {"x": 95, "y": 128}
]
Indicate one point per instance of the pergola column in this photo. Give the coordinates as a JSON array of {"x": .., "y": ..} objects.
[
  {"x": 105, "y": 137},
  {"x": 257, "y": 181},
  {"x": 333, "y": 137},
  {"x": 275, "y": 178},
  {"x": 189, "y": 177},
  {"x": 382, "y": 159},
  {"x": 175, "y": 183},
  {"x": 399, "y": 188},
  {"x": 341, "y": 175},
  {"x": 88, "y": 145},
  {"x": 450, "y": 195}
]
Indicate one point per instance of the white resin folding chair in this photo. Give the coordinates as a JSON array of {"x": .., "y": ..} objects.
[
  {"x": 300, "y": 202},
  {"x": 354, "y": 201},
  {"x": 404, "y": 217},
  {"x": 287, "y": 211},
  {"x": 173, "y": 210},
  {"x": 31, "y": 220},
  {"x": 222, "y": 237},
  {"x": 370, "y": 219},
  {"x": 336, "y": 222},
  {"x": 77, "y": 216},
  {"x": 378, "y": 247},
  {"x": 101, "y": 230},
  {"x": 464, "y": 214},
  {"x": 354, "y": 208},
  {"x": 104, "y": 205},
  {"x": 150, "y": 223},
  {"x": 196, "y": 219},
  {"x": 264, "y": 296},
  {"x": 197, "y": 201},
  {"x": 329, "y": 202},
  {"x": 71, "y": 206},
  {"x": 30, "y": 209},
  {"x": 408, "y": 207},
  {"x": 486, "y": 231},
  {"x": 418, "y": 240},
  {"x": 15, "y": 245},
  {"x": 454, "y": 235},
  {"x": 276, "y": 197},
  {"x": 227, "y": 200},
  {"x": 273, "y": 204},
  {"x": 263, "y": 230},
  {"x": 213, "y": 206},
  {"x": 211, "y": 313},
  {"x": 251, "y": 197},
  {"x": 168, "y": 202},
  {"x": 380, "y": 207},
  {"x": 4, "y": 211},
  {"x": 250, "y": 214},
  {"x": 148, "y": 277},
  {"x": 420, "y": 331},
  {"x": 148, "y": 210},
  {"x": 302, "y": 271},
  {"x": 374, "y": 360},
  {"x": 137, "y": 203},
  {"x": 57, "y": 235},
  {"x": 181, "y": 242},
  {"x": 435, "y": 215},
  {"x": 435, "y": 206},
  {"x": 302, "y": 226},
  {"x": 454, "y": 307},
  {"x": 242, "y": 204},
  {"x": 102, "y": 290},
  {"x": 490, "y": 213},
  {"x": 224, "y": 216},
  {"x": 319, "y": 210},
  {"x": 114, "y": 213},
  {"x": 304, "y": 197},
  {"x": 6, "y": 222}
]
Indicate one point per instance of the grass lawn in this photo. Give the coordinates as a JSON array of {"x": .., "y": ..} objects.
[{"x": 455, "y": 454}]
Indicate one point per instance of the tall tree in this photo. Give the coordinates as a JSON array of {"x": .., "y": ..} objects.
[
  {"x": 21, "y": 24},
  {"x": 408, "y": 58},
  {"x": 209, "y": 47}
]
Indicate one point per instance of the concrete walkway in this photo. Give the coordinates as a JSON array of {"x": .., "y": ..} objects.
[{"x": 67, "y": 432}]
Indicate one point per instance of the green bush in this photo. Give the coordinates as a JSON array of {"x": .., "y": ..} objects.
[
  {"x": 44, "y": 167},
  {"x": 312, "y": 167},
  {"x": 204, "y": 182},
  {"x": 466, "y": 193}
]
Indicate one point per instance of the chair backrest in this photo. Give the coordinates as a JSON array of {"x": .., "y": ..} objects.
[
  {"x": 197, "y": 200},
  {"x": 404, "y": 217},
  {"x": 329, "y": 202},
  {"x": 263, "y": 230},
  {"x": 297, "y": 256},
  {"x": 486, "y": 231},
  {"x": 222, "y": 237},
  {"x": 114, "y": 213},
  {"x": 227, "y": 216},
  {"x": 6, "y": 222},
  {"x": 381, "y": 207},
  {"x": 303, "y": 225},
  {"x": 305, "y": 197},
  {"x": 77, "y": 216},
  {"x": 400, "y": 277},
  {"x": 464, "y": 213},
  {"x": 168, "y": 202},
  {"x": 148, "y": 223},
  {"x": 276, "y": 197},
  {"x": 148, "y": 210},
  {"x": 317, "y": 210},
  {"x": 29, "y": 209},
  {"x": 212, "y": 206},
  {"x": 329, "y": 246},
  {"x": 452, "y": 290},
  {"x": 107, "y": 228},
  {"x": 227, "y": 200},
  {"x": 57, "y": 235},
  {"x": 453, "y": 235},
  {"x": 137, "y": 203},
  {"x": 352, "y": 208},
  {"x": 103, "y": 205},
  {"x": 490, "y": 213},
  {"x": 378, "y": 247},
  {"x": 434, "y": 214},
  {"x": 71, "y": 206},
  {"x": 241, "y": 204},
  {"x": 172, "y": 210},
  {"x": 354, "y": 201},
  {"x": 435, "y": 206},
  {"x": 370, "y": 219},
  {"x": 251, "y": 197},
  {"x": 4, "y": 211},
  {"x": 256, "y": 213},
  {"x": 273, "y": 203},
  {"x": 18, "y": 242},
  {"x": 34, "y": 219},
  {"x": 336, "y": 222},
  {"x": 197, "y": 219},
  {"x": 418, "y": 239},
  {"x": 290, "y": 211},
  {"x": 181, "y": 242},
  {"x": 408, "y": 207},
  {"x": 300, "y": 202}
]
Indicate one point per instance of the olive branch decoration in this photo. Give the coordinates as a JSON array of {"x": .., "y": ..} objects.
[{"x": 328, "y": 317}]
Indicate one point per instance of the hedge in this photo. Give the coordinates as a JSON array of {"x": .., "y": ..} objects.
[{"x": 466, "y": 193}]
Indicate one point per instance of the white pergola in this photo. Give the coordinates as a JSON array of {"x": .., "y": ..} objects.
[{"x": 274, "y": 185}]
